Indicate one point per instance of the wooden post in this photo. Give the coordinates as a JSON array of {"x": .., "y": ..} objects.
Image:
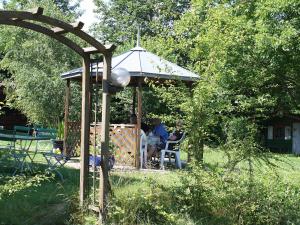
[
  {"x": 189, "y": 157},
  {"x": 139, "y": 123},
  {"x": 66, "y": 117},
  {"x": 104, "y": 182},
  {"x": 85, "y": 130},
  {"x": 133, "y": 100}
]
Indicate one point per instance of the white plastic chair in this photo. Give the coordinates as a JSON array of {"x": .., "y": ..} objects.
[
  {"x": 143, "y": 149},
  {"x": 175, "y": 150}
]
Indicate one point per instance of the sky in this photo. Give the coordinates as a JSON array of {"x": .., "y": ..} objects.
[{"x": 88, "y": 17}]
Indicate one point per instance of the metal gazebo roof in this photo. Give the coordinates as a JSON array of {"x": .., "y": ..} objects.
[{"x": 141, "y": 63}]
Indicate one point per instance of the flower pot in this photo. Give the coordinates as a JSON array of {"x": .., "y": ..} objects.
[{"x": 58, "y": 144}]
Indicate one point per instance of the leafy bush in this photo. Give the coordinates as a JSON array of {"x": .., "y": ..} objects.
[
  {"x": 14, "y": 184},
  {"x": 209, "y": 196},
  {"x": 230, "y": 198},
  {"x": 152, "y": 205}
]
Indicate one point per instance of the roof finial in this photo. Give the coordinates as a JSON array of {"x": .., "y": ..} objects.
[{"x": 138, "y": 41}]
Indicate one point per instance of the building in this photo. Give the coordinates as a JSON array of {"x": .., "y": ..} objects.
[
  {"x": 282, "y": 134},
  {"x": 10, "y": 117}
]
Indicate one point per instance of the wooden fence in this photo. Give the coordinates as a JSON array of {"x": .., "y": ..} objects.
[{"x": 123, "y": 140}]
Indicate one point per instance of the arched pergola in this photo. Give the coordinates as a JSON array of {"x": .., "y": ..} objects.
[{"x": 36, "y": 21}]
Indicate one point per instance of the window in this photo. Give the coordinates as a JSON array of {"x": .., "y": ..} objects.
[
  {"x": 287, "y": 133},
  {"x": 279, "y": 133},
  {"x": 270, "y": 132}
]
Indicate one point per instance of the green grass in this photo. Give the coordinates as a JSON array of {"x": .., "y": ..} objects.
[
  {"x": 51, "y": 201},
  {"x": 287, "y": 166}
]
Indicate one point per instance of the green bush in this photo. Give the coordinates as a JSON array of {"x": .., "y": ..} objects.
[
  {"x": 144, "y": 206},
  {"x": 220, "y": 198},
  {"x": 10, "y": 185}
]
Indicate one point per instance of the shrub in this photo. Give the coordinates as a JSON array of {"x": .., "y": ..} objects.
[
  {"x": 232, "y": 198},
  {"x": 144, "y": 206}
]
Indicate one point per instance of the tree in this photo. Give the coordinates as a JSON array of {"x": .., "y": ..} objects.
[
  {"x": 119, "y": 19},
  {"x": 246, "y": 53},
  {"x": 36, "y": 62}
]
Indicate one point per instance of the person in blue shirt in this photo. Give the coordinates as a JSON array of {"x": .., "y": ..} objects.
[{"x": 160, "y": 131}]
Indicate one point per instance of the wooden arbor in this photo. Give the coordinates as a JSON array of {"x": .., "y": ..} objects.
[{"x": 36, "y": 21}]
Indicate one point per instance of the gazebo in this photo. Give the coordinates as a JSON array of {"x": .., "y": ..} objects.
[{"x": 142, "y": 66}]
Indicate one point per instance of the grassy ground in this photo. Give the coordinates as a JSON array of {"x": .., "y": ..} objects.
[{"x": 49, "y": 200}]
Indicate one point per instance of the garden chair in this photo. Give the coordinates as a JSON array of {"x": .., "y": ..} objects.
[
  {"x": 143, "y": 149},
  {"x": 175, "y": 150},
  {"x": 22, "y": 130},
  {"x": 55, "y": 162},
  {"x": 9, "y": 150},
  {"x": 44, "y": 145},
  {"x": 7, "y": 144},
  {"x": 55, "y": 159}
]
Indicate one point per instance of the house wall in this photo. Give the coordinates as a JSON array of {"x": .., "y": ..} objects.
[{"x": 282, "y": 135}]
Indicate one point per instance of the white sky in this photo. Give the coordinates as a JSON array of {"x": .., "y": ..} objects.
[{"x": 88, "y": 17}]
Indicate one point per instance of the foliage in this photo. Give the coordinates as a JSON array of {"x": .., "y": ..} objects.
[
  {"x": 60, "y": 130},
  {"x": 17, "y": 183},
  {"x": 207, "y": 195},
  {"x": 217, "y": 198},
  {"x": 119, "y": 19},
  {"x": 35, "y": 62},
  {"x": 242, "y": 145},
  {"x": 244, "y": 52},
  {"x": 143, "y": 207},
  {"x": 166, "y": 101}
]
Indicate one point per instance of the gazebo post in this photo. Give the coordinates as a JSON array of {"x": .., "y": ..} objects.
[
  {"x": 139, "y": 123},
  {"x": 133, "y": 100},
  {"x": 66, "y": 116},
  {"x": 85, "y": 130},
  {"x": 104, "y": 182}
]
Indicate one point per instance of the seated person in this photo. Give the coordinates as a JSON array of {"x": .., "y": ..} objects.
[
  {"x": 144, "y": 126},
  {"x": 160, "y": 131},
  {"x": 176, "y": 135}
]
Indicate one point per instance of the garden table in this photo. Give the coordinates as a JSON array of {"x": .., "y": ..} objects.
[
  {"x": 21, "y": 154},
  {"x": 153, "y": 140}
]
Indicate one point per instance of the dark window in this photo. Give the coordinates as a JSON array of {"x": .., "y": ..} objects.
[{"x": 279, "y": 133}]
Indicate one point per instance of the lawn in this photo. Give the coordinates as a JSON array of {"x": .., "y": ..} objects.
[{"x": 47, "y": 200}]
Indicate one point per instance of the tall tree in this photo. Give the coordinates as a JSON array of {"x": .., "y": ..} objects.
[
  {"x": 246, "y": 53},
  {"x": 36, "y": 62},
  {"x": 118, "y": 19}
]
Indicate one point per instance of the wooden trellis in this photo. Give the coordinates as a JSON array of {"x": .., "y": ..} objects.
[
  {"x": 123, "y": 139},
  {"x": 73, "y": 138}
]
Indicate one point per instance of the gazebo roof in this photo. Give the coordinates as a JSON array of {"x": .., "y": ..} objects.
[{"x": 141, "y": 63}]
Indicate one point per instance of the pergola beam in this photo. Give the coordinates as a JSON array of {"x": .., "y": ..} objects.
[
  {"x": 58, "y": 30},
  {"x": 54, "y": 23},
  {"x": 91, "y": 50},
  {"x": 43, "y": 30},
  {"x": 37, "y": 11}
]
